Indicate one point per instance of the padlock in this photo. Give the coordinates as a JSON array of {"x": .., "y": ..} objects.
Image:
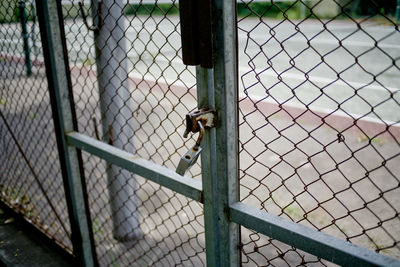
[
  {"x": 195, "y": 122},
  {"x": 188, "y": 160}
]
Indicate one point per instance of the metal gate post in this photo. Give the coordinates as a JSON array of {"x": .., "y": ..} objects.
[
  {"x": 205, "y": 98},
  {"x": 57, "y": 72},
  {"x": 217, "y": 89},
  {"x": 25, "y": 37},
  {"x": 398, "y": 10}
]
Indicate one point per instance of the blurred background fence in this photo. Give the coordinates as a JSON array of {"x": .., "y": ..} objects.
[
  {"x": 318, "y": 125},
  {"x": 30, "y": 175}
]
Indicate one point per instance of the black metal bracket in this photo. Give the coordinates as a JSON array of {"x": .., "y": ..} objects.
[{"x": 196, "y": 32}]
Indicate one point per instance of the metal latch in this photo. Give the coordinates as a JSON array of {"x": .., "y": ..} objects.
[
  {"x": 207, "y": 117},
  {"x": 196, "y": 121}
]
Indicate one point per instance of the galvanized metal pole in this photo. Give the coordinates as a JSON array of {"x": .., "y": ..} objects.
[
  {"x": 217, "y": 89},
  {"x": 116, "y": 109},
  {"x": 33, "y": 31},
  {"x": 57, "y": 72},
  {"x": 226, "y": 102},
  {"x": 205, "y": 98},
  {"x": 398, "y": 10},
  {"x": 25, "y": 37}
]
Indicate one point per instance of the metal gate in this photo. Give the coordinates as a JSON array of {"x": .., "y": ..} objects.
[{"x": 300, "y": 168}]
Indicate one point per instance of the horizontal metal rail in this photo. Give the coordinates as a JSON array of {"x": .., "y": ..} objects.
[
  {"x": 291, "y": 233},
  {"x": 147, "y": 169},
  {"x": 307, "y": 239}
]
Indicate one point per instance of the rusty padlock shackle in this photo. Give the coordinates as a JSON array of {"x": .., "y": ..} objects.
[{"x": 201, "y": 134}]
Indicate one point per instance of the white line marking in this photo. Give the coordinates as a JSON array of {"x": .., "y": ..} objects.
[
  {"x": 317, "y": 79},
  {"x": 332, "y": 42},
  {"x": 320, "y": 110}
]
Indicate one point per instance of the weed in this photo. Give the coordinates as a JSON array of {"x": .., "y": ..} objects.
[
  {"x": 294, "y": 212},
  {"x": 373, "y": 140},
  {"x": 31, "y": 116},
  {"x": 114, "y": 259},
  {"x": 96, "y": 226},
  {"x": 88, "y": 62}
]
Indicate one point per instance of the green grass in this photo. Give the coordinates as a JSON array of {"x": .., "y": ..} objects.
[
  {"x": 9, "y": 11},
  {"x": 151, "y": 9},
  {"x": 266, "y": 9},
  {"x": 258, "y": 9}
]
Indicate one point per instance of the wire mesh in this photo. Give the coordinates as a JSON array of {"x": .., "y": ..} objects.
[
  {"x": 160, "y": 91},
  {"x": 258, "y": 249},
  {"x": 172, "y": 225},
  {"x": 30, "y": 176},
  {"x": 319, "y": 121},
  {"x": 319, "y": 126}
]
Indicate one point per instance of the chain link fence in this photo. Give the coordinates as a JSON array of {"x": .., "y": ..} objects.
[
  {"x": 319, "y": 125},
  {"x": 130, "y": 86},
  {"x": 30, "y": 175},
  {"x": 319, "y": 122}
]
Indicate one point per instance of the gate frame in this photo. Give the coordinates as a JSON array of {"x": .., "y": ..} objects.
[
  {"x": 223, "y": 212},
  {"x": 64, "y": 118}
]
